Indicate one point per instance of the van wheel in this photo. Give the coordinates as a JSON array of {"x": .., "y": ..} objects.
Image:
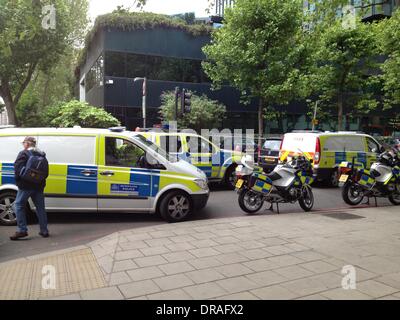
[
  {"x": 230, "y": 177},
  {"x": 7, "y": 214},
  {"x": 334, "y": 179},
  {"x": 176, "y": 206}
]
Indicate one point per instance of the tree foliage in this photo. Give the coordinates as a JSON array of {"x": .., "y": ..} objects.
[
  {"x": 27, "y": 46},
  {"x": 76, "y": 113},
  {"x": 205, "y": 113},
  {"x": 261, "y": 50}
]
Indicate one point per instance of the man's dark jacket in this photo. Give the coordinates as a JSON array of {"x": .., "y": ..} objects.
[{"x": 21, "y": 161}]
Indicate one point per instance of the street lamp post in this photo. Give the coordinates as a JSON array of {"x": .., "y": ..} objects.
[
  {"x": 315, "y": 113},
  {"x": 144, "y": 95}
]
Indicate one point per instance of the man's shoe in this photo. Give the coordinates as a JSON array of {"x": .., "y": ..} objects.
[
  {"x": 44, "y": 235},
  {"x": 19, "y": 235}
]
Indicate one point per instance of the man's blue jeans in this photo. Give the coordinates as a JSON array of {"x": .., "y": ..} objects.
[{"x": 21, "y": 201}]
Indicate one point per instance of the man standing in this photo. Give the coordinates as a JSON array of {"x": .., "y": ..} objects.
[{"x": 28, "y": 187}]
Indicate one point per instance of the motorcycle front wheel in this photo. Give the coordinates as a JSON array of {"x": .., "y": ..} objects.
[
  {"x": 306, "y": 202},
  {"x": 352, "y": 195},
  {"x": 250, "y": 202},
  {"x": 395, "y": 199}
]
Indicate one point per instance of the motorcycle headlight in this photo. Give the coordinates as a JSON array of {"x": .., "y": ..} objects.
[{"x": 201, "y": 183}]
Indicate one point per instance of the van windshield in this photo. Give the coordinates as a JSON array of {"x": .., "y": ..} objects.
[
  {"x": 304, "y": 142},
  {"x": 162, "y": 152}
]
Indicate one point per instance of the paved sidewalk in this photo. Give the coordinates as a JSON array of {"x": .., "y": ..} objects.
[{"x": 288, "y": 256}]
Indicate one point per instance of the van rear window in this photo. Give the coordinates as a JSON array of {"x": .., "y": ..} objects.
[{"x": 304, "y": 142}]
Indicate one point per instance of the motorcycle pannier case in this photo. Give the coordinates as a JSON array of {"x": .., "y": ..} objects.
[{"x": 260, "y": 182}]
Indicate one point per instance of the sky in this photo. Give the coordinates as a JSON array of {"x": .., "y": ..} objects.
[{"x": 98, "y": 7}]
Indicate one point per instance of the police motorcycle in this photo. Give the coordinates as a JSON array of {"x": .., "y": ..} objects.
[
  {"x": 287, "y": 183},
  {"x": 381, "y": 181}
]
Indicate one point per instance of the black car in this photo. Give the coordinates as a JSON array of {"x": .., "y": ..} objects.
[{"x": 269, "y": 154}]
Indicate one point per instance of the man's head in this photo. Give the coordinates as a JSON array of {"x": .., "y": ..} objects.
[{"x": 29, "y": 142}]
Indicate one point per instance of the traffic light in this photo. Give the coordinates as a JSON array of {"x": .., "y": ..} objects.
[{"x": 186, "y": 97}]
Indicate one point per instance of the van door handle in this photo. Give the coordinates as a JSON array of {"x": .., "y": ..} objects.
[
  {"x": 107, "y": 173},
  {"x": 88, "y": 173}
]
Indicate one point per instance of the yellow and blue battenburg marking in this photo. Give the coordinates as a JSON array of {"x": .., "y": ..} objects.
[
  {"x": 7, "y": 173},
  {"x": 305, "y": 178},
  {"x": 366, "y": 180},
  {"x": 263, "y": 183}
]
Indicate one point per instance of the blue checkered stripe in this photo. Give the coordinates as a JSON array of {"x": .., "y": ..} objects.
[
  {"x": 366, "y": 180},
  {"x": 7, "y": 174},
  {"x": 263, "y": 184}
]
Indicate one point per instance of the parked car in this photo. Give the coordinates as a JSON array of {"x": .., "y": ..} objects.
[
  {"x": 100, "y": 170},
  {"x": 329, "y": 149},
  {"x": 269, "y": 154}
]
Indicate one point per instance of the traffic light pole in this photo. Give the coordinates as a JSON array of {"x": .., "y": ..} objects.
[{"x": 176, "y": 102}]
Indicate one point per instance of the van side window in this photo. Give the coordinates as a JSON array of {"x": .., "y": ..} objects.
[
  {"x": 372, "y": 145},
  {"x": 171, "y": 144},
  {"x": 199, "y": 145},
  {"x": 123, "y": 153},
  {"x": 9, "y": 148},
  {"x": 69, "y": 149}
]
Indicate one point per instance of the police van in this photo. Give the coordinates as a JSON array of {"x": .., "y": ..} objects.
[
  {"x": 329, "y": 149},
  {"x": 104, "y": 170},
  {"x": 218, "y": 164}
]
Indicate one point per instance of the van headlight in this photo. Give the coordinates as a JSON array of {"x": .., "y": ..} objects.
[{"x": 202, "y": 183}]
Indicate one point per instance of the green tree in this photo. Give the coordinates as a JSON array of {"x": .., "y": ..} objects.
[
  {"x": 76, "y": 113},
  {"x": 261, "y": 49},
  {"x": 205, "y": 113},
  {"x": 389, "y": 33},
  {"x": 341, "y": 74},
  {"x": 33, "y": 36}
]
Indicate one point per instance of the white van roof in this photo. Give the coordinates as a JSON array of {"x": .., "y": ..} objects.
[{"x": 327, "y": 133}]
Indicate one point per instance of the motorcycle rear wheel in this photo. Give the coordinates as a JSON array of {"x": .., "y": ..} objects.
[
  {"x": 250, "y": 202},
  {"x": 352, "y": 196}
]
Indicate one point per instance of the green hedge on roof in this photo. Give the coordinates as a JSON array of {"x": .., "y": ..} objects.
[{"x": 129, "y": 21}]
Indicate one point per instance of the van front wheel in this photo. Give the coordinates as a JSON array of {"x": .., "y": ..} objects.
[{"x": 176, "y": 206}]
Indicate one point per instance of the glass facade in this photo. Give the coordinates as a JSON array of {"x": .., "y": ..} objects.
[
  {"x": 95, "y": 76},
  {"x": 131, "y": 65}
]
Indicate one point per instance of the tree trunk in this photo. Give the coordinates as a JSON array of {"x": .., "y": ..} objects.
[
  {"x": 260, "y": 122},
  {"x": 340, "y": 113},
  {"x": 10, "y": 105}
]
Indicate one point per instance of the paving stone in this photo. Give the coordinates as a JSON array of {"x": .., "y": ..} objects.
[
  {"x": 139, "y": 236},
  {"x": 252, "y": 244},
  {"x": 391, "y": 279},
  {"x": 308, "y": 255},
  {"x": 233, "y": 270},
  {"x": 177, "y": 294},
  {"x": 285, "y": 260},
  {"x": 206, "y": 243},
  {"x": 226, "y": 240},
  {"x": 180, "y": 239},
  {"x": 278, "y": 250},
  {"x": 228, "y": 248},
  {"x": 273, "y": 242},
  {"x": 203, "y": 235},
  {"x": 261, "y": 265},
  {"x": 266, "y": 278},
  {"x": 161, "y": 234},
  {"x": 117, "y": 278},
  {"x": 74, "y": 296},
  {"x": 124, "y": 265},
  {"x": 275, "y": 292},
  {"x": 237, "y": 284},
  {"x": 341, "y": 294},
  {"x": 318, "y": 266},
  {"x": 108, "y": 293},
  {"x": 375, "y": 289},
  {"x": 158, "y": 242},
  {"x": 205, "y": 291},
  {"x": 173, "y": 282},
  {"x": 239, "y": 296},
  {"x": 140, "y": 288},
  {"x": 133, "y": 245},
  {"x": 305, "y": 286},
  {"x": 130, "y": 254},
  {"x": 145, "y": 273},
  {"x": 150, "y": 261},
  {"x": 204, "y": 275},
  {"x": 178, "y": 256},
  {"x": 182, "y": 231},
  {"x": 154, "y": 250},
  {"x": 204, "y": 252},
  {"x": 230, "y": 258},
  {"x": 293, "y": 272},
  {"x": 176, "y": 267},
  {"x": 180, "y": 246},
  {"x": 203, "y": 263},
  {"x": 313, "y": 297},
  {"x": 255, "y": 254}
]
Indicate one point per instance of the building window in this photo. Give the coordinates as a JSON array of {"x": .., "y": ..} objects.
[
  {"x": 154, "y": 67},
  {"x": 95, "y": 76}
]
